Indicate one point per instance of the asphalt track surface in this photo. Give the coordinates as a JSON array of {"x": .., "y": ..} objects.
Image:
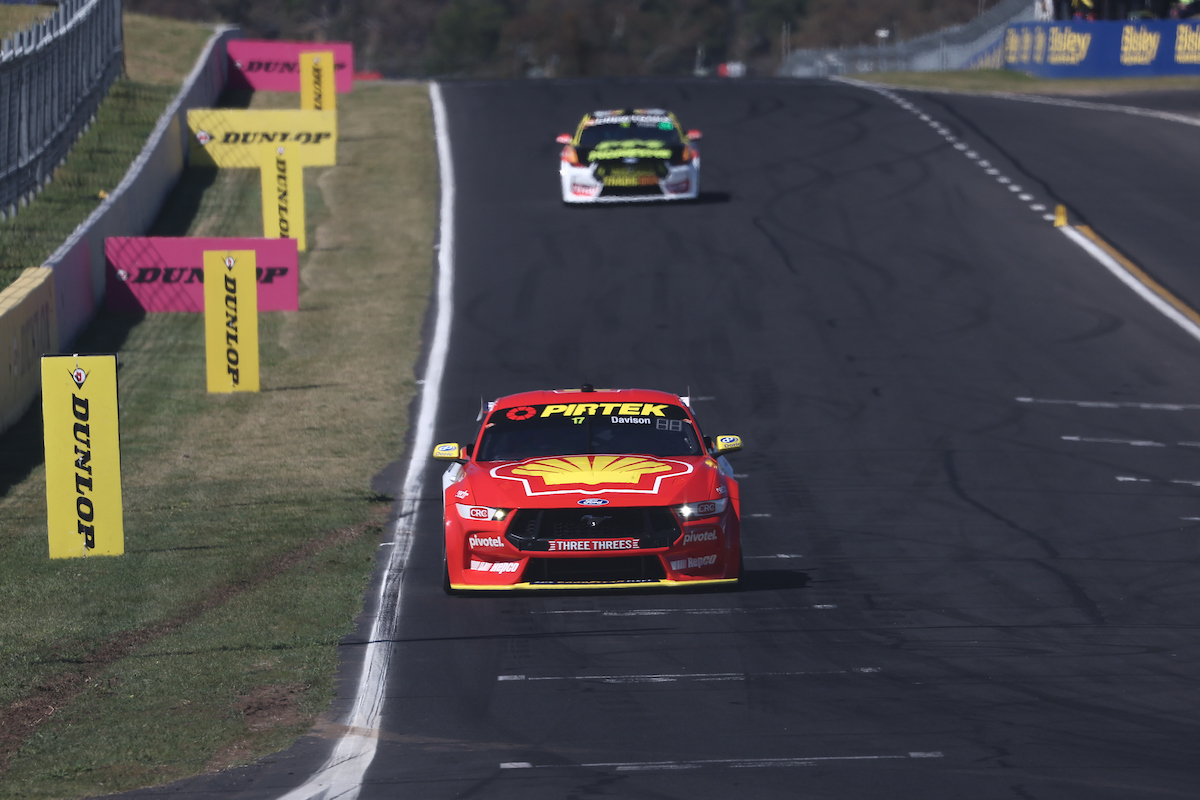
[{"x": 945, "y": 597}]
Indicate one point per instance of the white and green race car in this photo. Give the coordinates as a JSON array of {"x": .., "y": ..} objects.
[{"x": 629, "y": 155}]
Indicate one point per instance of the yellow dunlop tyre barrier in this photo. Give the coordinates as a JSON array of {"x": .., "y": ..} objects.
[
  {"x": 318, "y": 92},
  {"x": 28, "y": 330},
  {"x": 233, "y": 137},
  {"x": 83, "y": 456}
]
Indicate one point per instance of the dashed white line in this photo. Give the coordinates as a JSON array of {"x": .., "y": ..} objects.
[
  {"x": 778, "y": 555},
  {"x": 1112, "y": 404},
  {"x": 659, "y": 612},
  {"x": 1175, "y": 481},
  {"x": 1133, "y": 442},
  {"x": 732, "y": 763},
  {"x": 675, "y": 677}
]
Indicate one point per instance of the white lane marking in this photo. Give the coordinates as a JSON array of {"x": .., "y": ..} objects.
[
  {"x": 1037, "y": 207},
  {"x": 778, "y": 555},
  {"x": 758, "y": 515},
  {"x": 1112, "y": 404},
  {"x": 1025, "y": 197},
  {"x": 1133, "y": 442},
  {"x": 733, "y": 763},
  {"x": 1191, "y": 519},
  {"x": 1176, "y": 481},
  {"x": 341, "y": 776},
  {"x": 673, "y": 677},
  {"x": 704, "y": 399},
  {"x": 1123, "y": 275},
  {"x": 741, "y": 475}
]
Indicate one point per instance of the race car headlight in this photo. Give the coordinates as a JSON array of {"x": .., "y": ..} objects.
[
  {"x": 570, "y": 156},
  {"x": 482, "y": 512},
  {"x": 708, "y": 508}
]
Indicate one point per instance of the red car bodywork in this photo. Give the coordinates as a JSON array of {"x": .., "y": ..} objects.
[{"x": 596, "y": 520}]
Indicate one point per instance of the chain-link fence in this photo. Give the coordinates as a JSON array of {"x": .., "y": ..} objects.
[
  {"x": 52, "y": 79},
  {"x": 974, "y": 45}
]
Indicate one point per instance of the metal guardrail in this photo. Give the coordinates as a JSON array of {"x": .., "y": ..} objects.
[
  {"x": 972, "y": 45},
  {"x": 53, "y": 76}
]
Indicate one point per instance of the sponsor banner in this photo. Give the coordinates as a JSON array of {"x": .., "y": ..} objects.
[
  {"x": 232, "y": 138},
  {"x": 699, "y": 537},
  {"x": 269, "y": 66},
  {"x": 83, "y": 456},
  {"x": 231, "y": 321},
  {"x": 592, "y": 474},
  {"x": 501, "y": 567},
  {"x": 282, "y": 173},
  {"x": 485, "y": 541},
  {"x": 693, "y": 562},
  {"x": 166, "y": 274},
  {"x": 317, "y": 91},
  {"x": 1099, "y": 49},
  {"x": 592, "y": 545},
  {"x": 28, "y": 330}
]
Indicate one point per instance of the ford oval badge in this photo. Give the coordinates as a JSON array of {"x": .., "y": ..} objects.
[{"x": 593, "y": 501}]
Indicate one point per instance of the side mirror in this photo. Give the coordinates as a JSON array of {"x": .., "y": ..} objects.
[
  {"x": 449, "y": 451},
  {"x": 728, "y": 444},
  {"x": 694, "y": 134},
  {"x": 563, "y": 138}
]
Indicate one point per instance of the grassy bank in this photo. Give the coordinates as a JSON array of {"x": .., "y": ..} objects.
[
  {"x": 159, "y": 55},
  {"x": 250, "y": 526},
  {"x": 15, "y": 18},
  {"x": 1002, "y": 80}
]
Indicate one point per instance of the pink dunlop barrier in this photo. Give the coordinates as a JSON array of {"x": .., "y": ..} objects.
[
  {"x": 275, "y": 66},
  {"x": 156, "y": 274}
]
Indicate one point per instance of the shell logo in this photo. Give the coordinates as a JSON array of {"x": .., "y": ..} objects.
[{"x": 592, "y": 474}]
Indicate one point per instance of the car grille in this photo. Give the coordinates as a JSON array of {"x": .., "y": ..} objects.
[
  {"x": 534, "y": 528},
  {"x": 622, "y": 569}
]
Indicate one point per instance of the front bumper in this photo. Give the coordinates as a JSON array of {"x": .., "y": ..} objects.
[
  {"x": 487, "y": 556},
  {"x": 580, "y": 185}
]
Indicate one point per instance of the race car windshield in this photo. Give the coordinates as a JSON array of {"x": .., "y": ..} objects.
[
  {"x": 657, "y": 131},
  {"x": 652, "y": 429}
]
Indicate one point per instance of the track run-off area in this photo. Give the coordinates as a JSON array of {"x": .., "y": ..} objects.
[{"x": 971, "y": 482}]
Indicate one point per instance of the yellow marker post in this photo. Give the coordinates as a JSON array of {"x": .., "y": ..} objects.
[
  {"x": 83, "y": 456},
  {"x": 318, "y": 91},
  {"x": 231, "y": 320},
  {"x": 1060, "y": 216},
  {"x": 282, "y": 174}
]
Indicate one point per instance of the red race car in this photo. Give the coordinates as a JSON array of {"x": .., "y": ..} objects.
[{"x": 589, "y": 488}]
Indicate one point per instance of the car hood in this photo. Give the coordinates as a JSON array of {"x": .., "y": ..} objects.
[{"x": 612, "y": 480}]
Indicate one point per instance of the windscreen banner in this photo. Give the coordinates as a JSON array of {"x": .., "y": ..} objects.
[
  {"x": 1103, "y": 49},
  {"x": 157, "y": 274},
  {"x": 270, "y": 66},
  {"x": 232, "y": 138},
  {"x": 83, "y": 456},
  {"x": 230, "y": 321}
]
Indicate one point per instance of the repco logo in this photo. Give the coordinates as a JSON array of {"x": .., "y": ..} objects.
[
  {"x": 231, "y": 324},
  {"x": 266, "y": 137},
  {"x": 85, "y": 510}
]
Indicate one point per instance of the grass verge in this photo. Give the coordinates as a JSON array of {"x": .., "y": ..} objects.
[
  {"x": 15, "y": 18},
  {"x": 1003, "y": 80},
  {"x": 159, "y": 55},
  {"x": 250, "y": 528}
]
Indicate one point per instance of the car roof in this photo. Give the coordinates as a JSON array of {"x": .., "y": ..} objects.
[
  {"x": 548, "y": 396},
  {"x": 625, "y": 112}
]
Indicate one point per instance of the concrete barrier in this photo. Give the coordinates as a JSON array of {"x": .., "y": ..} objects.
[
  {"x": 27, "y": 331},
  {"x": 72, "y": 280}
]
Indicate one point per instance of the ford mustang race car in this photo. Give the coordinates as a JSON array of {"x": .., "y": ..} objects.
[
  {"x": 626, "y": 155},
  {"x": 587, "y": 488}
]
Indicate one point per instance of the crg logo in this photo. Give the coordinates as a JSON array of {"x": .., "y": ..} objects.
[
  {"x": 704, "y": 509},
  {"x": 485, "y": 541},
  {"x": 478, "y": 512}
]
